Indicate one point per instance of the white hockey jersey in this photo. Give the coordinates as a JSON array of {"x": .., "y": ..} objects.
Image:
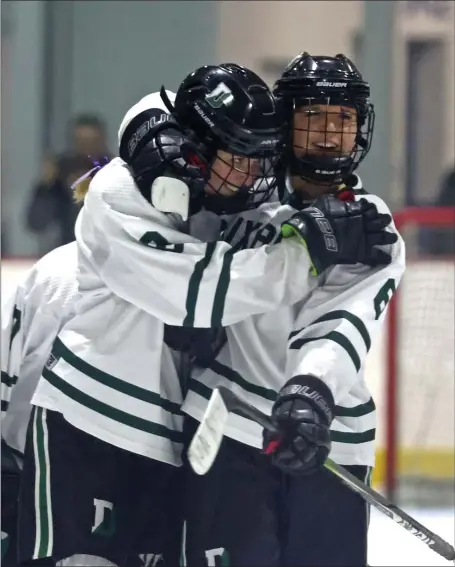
[
  {"x": 110, "y": 373},
  {"x": 328, "y": 333},
  {"x": 31, "y": 319}
]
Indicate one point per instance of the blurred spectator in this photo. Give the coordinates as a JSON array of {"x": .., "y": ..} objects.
[
  {"x": 442, "y": 241},
  {"x": 446, "y": 196},
  {"x": 51, "y": 210}
]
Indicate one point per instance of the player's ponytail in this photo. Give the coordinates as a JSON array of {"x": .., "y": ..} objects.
[
  {"x": 81, "y": 185},
  {"x": 80, "y": 190}
]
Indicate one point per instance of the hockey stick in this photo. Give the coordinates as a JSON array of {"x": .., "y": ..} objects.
[{"x": 207, "y": 440}]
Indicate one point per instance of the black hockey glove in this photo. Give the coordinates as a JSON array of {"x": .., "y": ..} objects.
[
  {"x": 170, "y": 154},
  {"x": 303, "y": 413},
  {"x": 338, "y": 232}
]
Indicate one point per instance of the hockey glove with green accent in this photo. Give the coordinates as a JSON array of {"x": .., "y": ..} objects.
[{"x": 337, "y": 232}]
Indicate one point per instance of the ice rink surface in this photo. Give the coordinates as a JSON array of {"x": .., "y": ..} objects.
[{"x": 390, "y": 544}]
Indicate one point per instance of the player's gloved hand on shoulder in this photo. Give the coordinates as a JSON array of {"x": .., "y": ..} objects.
[
  {"x": 302, "y": 413},
  {"x": 169, "y": 154},
  {"x": 338, "y": 232}
]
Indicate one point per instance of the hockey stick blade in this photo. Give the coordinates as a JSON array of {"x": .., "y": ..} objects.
[{"x": 207, "y": 440}]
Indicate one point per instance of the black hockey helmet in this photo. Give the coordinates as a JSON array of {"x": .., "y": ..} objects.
[
  {"x": 322, "y": 80},
  {"x": 229, "y": 108}
]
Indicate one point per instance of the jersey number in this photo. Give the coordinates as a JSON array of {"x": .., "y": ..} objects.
[
  {"x": 383, "y": 297},
  {"x": 156, "y": 240}
]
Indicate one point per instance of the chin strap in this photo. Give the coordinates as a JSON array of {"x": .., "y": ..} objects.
[{"x": 299, "y": 199}]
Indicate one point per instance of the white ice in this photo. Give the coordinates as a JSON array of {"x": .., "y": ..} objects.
[{"x": 390, "y": 544}]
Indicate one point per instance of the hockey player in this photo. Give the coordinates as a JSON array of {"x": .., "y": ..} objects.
[
  {"x": 107, "y": 409},
  {"x": 31, "y": 319},
  {"x": 332, "y": 131},
  {"x": 304, "y": 364}
]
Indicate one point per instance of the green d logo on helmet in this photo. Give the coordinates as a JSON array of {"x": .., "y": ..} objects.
[{"x": 219, "y": 96}]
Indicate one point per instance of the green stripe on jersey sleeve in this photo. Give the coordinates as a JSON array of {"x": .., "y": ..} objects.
[
  {"x": 236, "y": 378},
  {"x": 340, "y": 411},
  {"x": 355, "y": 411},
  {"x": 199, "y": 388},
  {"x": 342, "y": 314},
  {"x": 336, "y": 337},
  {"x": 336, "y": 436},
  {"x": 205, "y": 392},
  {"x": 109, "y": 411},
  {"x": 353, "y": 438},
  {"x": 195, "y": 283},
  {"x": 221, "y": 290},
  {"x": 59, "y": 350}
]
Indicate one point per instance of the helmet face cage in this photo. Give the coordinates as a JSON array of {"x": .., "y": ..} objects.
[
  {"x": 328, "y": 103},
  {"x": 249, "y": 180},
  {"x": 330, "y": 137}
]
